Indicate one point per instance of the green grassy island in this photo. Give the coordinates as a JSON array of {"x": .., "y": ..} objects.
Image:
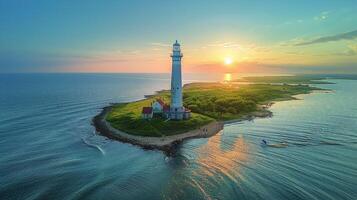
[
  {"x": 208, "y": 102},
  {"x": 211, "y": 105}
]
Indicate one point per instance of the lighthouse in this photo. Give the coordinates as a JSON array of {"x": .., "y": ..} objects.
[
  {"x": 176, "y": 81},
  {"x": 177, "y": 111}
]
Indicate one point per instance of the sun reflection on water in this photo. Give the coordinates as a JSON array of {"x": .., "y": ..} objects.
[
  {"x": 227, "y": 77},
  {"x": 216, "y": 160},
  {"x": 216, "y": 157}
]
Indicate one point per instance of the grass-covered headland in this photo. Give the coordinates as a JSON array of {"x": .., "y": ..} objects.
[
  {"x": 298, "y": 79},
  {"x": 208, "y": 102}
]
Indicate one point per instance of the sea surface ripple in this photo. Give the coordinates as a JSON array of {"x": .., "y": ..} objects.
[{"x": 50, "y": 150}]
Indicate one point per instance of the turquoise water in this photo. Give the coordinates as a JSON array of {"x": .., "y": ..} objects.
[{"x": 49, "y": 149}]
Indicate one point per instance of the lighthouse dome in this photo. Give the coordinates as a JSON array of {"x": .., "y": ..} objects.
[{"x": 176, "y": 43}]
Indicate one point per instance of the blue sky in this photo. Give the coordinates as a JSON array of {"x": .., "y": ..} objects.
[{"x": 135, "y": 36}]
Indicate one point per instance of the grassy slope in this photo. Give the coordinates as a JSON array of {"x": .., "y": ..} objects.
[
  {"x": 127, "y": 117},
  {"x": 226, "y": 102},
  {"x": 208, "y": 101}
]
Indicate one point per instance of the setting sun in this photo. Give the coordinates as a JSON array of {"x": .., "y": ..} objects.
[{"x": 228, "y": 60}]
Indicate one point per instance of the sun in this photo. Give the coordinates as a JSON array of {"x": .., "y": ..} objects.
[{"x": 228, "y": 60}]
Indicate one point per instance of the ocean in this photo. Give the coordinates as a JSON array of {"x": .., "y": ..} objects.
[{"x": 50, "y": 150}]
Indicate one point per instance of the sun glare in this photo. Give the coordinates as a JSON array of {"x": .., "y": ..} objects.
[
  {"x": 227, "y": 77},
  {"x": 228, "y": 60}
]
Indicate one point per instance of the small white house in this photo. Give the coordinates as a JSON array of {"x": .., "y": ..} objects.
[{"x": 158, "y": 106}]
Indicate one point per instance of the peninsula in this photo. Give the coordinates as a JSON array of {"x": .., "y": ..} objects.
[
  {"x": 163, "y": 120},
  {"x": 211, "y": 105}
]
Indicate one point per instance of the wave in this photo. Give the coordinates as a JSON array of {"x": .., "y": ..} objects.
[{"x": 95, "y": 146}]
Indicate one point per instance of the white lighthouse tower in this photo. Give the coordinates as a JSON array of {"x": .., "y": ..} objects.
[{"x": 177, "y": 111}]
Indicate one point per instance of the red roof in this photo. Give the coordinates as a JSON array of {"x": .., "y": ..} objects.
[
  {"x": 147, "y": 110},
  {"x": 161, "y": 102}
]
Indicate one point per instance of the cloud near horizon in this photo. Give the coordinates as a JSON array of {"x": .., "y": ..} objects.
[
  {"x": 159, "y": 44},
  {"x": 342, "y": 36},
  {"x": 272, "y": 68},
  {"x": 123, "y": 37}
]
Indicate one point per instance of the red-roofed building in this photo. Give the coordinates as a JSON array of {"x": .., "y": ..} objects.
[{"x": 147, "y": 113}]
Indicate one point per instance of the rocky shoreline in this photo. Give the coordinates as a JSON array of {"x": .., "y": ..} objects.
[{"x": 168, "y": 144}]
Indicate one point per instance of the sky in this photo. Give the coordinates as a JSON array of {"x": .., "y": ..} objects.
[{"x": 136, "y": 36}]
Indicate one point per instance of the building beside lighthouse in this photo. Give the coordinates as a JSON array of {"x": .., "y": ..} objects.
[{"x": 175, "y": 110}]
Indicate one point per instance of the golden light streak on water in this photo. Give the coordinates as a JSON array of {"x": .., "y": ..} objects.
[
  {"x": 214, "y": 159},
  {"x": 227, "y": 77}
]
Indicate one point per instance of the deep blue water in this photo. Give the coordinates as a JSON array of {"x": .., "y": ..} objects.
[{"x": 49, "y": 149}]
